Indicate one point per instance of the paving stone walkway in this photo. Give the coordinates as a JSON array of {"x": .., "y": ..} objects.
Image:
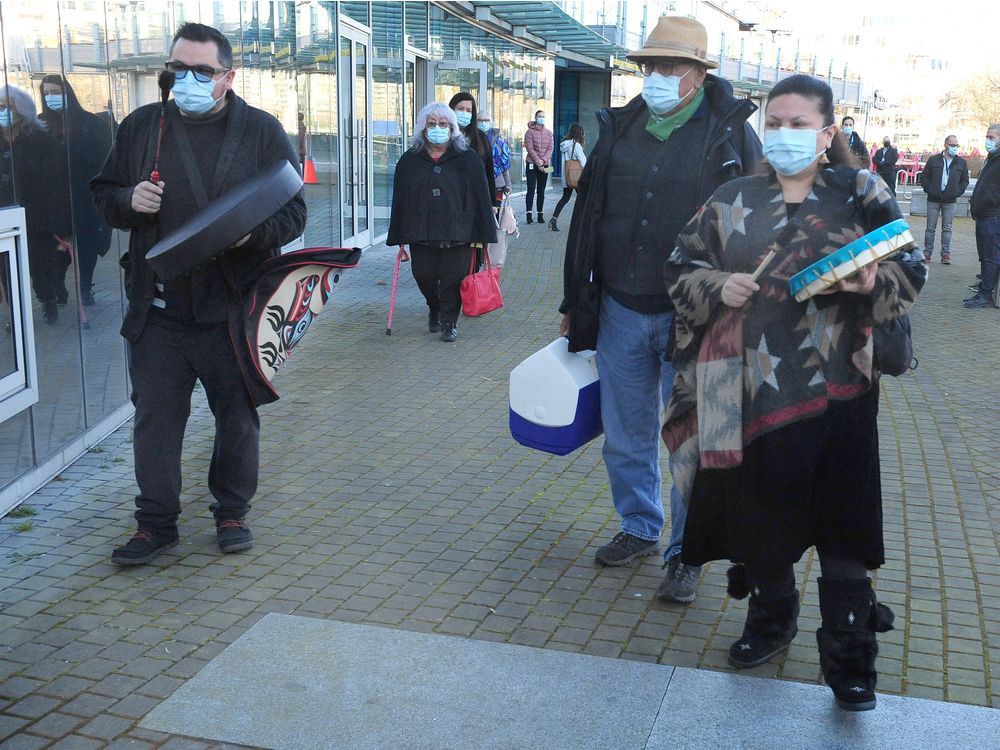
[{"x": 392, "y": 494}]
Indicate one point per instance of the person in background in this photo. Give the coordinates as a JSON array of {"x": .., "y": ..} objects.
[
  {"x": 441, "y": 205},
  {"x": 33, "y": 175},
  {"x": 762, "y": 422},
  {"x": 985, "y": 208},
  {"x": 303, "y": 143},
  {"x": 571, "y": 147},
  {"x": 538, "y": 143},
  {"x": 656, "y": 161},
  {"x": 464, "y": 106},
  {"x": 86, "y": 137},
  {"x": 500, "y": 151},
  {"x": 884, "y": 162},
  {"x": 855, "y": 142},
  {"x": 944, "y": 179}
]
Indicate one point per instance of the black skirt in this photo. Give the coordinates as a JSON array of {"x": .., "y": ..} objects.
[{"x": 814, "y": 482}]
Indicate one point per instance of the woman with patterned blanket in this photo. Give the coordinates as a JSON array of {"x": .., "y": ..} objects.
[{"x": 772, "y": 419}]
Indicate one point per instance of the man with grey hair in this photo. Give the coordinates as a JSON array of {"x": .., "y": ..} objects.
[
  {"x": 944, "y": 179},
  {"x": 985, "y": 207},
  {"x": 656, "y": 161}
]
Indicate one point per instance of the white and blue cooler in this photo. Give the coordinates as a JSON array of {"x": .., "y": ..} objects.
[{"x": 555, "y": 399}]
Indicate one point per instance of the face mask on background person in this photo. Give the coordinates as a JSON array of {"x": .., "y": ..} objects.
[
  {"x": 886, "y": 144},
  {"x": 484, "y": 125},
  {"x": 847, "y": 130},
  {"x": 540, "y": 120},
  {"x": 438, "y": 136},
  {"x": 194, "y": 97},
  {"x": 662, "y": 93},
  {"x": 991, "y": 146},
  {"x": 464, "y": 118},
  {"x": 6, "y": 118},
  {"x": 54, "y": 101},
  {"x": 952, "y": 150},
  {"x": 790, "y": 150}
]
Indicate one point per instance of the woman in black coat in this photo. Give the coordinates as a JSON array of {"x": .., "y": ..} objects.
[
  {"x": 86, "y": 137},
  {"x": 441, "y": 204},
  {"x": 463, "y": 104},
  {"x": 33, "y": 175}
]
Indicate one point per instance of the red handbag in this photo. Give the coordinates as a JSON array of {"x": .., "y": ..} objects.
[{"x": 481, "y": 291}]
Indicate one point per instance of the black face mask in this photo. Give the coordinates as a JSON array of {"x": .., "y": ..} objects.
[{"x": 886, "y": 144}]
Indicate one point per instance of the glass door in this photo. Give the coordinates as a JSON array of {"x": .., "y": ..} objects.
[
  {"x": 447, "y": 78},
  {"x": 356, "y": 137}
]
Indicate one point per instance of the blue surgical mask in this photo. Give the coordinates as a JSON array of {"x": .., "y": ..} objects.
[
  {"x": 662, "y": 93},
  {"x": 54, "y": 101},
  {"x": 194, "y": 97},
  {"x": 991, "y": 146},
  {"x": 438, "y": 136},
  {"x": 540, "y": 120},
  {"x": 952, "y": 150},
  {"x": 790, "y": 150},
  {"x": 6, "y": 118},
  {"x": 484, "y": 125},
  {"x": 848, "y": 129},
  {"x": 464, "y": 118}
]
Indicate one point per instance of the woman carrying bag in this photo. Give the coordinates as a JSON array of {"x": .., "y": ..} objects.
[
  {"x": 441, "y": 205},
  {"x": 574, "y": 160}
]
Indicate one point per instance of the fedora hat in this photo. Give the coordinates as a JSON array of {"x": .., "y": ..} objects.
[{"x": 675, "y": 36}]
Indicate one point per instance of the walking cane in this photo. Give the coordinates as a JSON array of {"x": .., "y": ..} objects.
[
  {"x": 401, "y": 257},
  {"x": 67, "y": 246}
]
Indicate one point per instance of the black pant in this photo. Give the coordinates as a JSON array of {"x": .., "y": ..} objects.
[
  {"x": 164, "y": 364},
  {"x": 47, "y": 266},
  {"x": 889, "y": 175},
  {"x": 567, "y": 193},
  {"x": 536, "y": 178},
  {"x": 438, "y": 272}
]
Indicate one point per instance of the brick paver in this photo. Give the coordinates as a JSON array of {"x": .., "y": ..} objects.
[{"x": 391, "y": 493}]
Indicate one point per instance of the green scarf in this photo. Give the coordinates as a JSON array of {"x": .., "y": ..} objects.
[{"x": 662, "y": 127}]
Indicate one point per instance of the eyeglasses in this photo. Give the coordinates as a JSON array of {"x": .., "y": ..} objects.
[
  {"x": 665, "y": 68},
  {"x": 202, "y": 73}
]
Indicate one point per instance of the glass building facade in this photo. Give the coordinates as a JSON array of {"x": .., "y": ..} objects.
[{"x": 355, "y": 73}]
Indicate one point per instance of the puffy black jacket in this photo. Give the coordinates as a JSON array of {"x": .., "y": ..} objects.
[{"x": 985, "y": 201}]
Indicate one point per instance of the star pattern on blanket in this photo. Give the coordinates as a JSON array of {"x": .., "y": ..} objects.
[
  {"x": 761, "y": 365},
  {"x": 732, "y": 216},
  {"x": 823, "y": 328}
]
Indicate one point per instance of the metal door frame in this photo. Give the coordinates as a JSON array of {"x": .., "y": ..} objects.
[{"x": 353, "y": 185}]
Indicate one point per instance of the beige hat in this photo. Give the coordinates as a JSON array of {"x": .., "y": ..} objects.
[{"x": 675, "y": 36}]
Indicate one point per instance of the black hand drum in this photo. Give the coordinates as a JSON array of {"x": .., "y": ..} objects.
[{"x": 224, "y": 221}]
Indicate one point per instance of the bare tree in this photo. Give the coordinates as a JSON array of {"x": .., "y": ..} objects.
[{"x": 976, "y": 101}]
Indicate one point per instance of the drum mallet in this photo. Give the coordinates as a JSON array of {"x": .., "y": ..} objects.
[
  {"x": 784, "y": 237},
  {"x": 165, "y": 82}
]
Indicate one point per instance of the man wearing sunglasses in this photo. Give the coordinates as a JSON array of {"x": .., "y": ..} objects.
[
  {"x": 177, "y": 329},
  {"x": 656, "y": 161}
]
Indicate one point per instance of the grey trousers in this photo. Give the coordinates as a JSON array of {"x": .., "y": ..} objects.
[
  {"x": 947, "y": 212},
  {"x": 164, "y": 365}
]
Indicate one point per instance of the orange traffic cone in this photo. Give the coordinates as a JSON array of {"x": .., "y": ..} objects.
[{"x": 309, "y": 178}]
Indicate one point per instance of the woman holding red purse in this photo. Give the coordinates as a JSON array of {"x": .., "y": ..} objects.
[{"x": 441, "y": 205}]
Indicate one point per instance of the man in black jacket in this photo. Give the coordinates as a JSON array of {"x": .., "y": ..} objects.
[
  {"x": 885, "y": 163},
  {"x": 985, "y": 208},
  {"x": 177, "y": 330},
  {"x": 944, "y": 179},
  {"x": 855, "y": 142},
  {"x": 656, "y": 161}
]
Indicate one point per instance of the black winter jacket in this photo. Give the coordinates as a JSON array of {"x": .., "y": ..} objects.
[
  {"x": 254, "y": 140},
  {"x": 443, "y": 201},
  {"x": 985, "y": 201},
  {"x": 958, "y": 179},
  {"x": 885, "y": 163},
  {"x": 731, "y": 150}
]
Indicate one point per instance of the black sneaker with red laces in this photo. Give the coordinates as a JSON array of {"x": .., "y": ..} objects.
[
  {"x": 144, "y": 546},
  {"x": 233, "y": 535}
]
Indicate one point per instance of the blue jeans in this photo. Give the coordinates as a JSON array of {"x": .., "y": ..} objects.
[
  {"x": 988, "y": 244},
  {"x": 947, "y": 213},
  {"x": 636, "y": 379}
]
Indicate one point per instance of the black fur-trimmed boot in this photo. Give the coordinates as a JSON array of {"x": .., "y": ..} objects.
[
  {"x": 847, "y": 644},
  {"x": 771, "y": 622}
]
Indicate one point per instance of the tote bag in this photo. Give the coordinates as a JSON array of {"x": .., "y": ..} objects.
[
  {"x": 572, "y": 169},
  {"x": 481, "y": 291}
]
